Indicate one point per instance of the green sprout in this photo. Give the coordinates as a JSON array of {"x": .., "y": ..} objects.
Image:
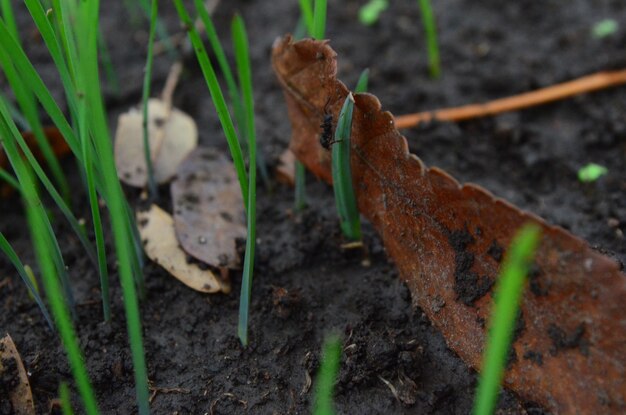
[
  {"x": 342, "y": 175},
  {"x": 325, "y": 383},
  {"x": 591, "y": 172},
  {"x": 361, "y": 85},
  {"x": 430, "y": 29},
  {"x": 64, "y": 397},
  {"x": 508, "y": 294},
  {"x": 604, "y": 28},
  {"x": 247, "y": 179},
  {"x": 371, "y": 11}
]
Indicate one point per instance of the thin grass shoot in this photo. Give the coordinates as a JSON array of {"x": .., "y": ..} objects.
[
  {"x": 326, "y": 377},
  {"x": 147, "y": 80},
  {"x": 362, "y": 83},
  {"x": 370, "y": 12},
  {"x": 430, "y": 30},
  {"x": 507, "y": 298}
]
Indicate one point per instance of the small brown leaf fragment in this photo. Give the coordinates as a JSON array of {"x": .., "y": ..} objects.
[
  {"x": 156, "y": 228},
  {"x": 172, "y": 134},
  {"x": 209, "y": 215},
  {"x": 442, "y": 234},
  {"x": 14, "y": 380}
]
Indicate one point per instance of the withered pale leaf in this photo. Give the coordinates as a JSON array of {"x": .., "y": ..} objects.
[
  {"x": 209, "y": 215},
  {"x": 447, "y": 240},
  {"x": 286, "y": 170},
  {"x": 20, "y": 395},
  {"x": 156, "y": 228},
  {"x": 173, "y": 135}
]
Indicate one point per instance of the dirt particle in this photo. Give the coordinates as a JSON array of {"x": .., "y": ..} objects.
[
  {"x": 535, "y": 357},
  {"x": 537, "y": 287},
  {"x": 562, "y": 340},
  {"x": 496, "y": 251}
]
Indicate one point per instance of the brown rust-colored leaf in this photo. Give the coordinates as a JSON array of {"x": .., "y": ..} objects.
[
  {"x": 209, "y": 215},
  {"x": 11, "y": 367},
  {"x": 447, "y": 240}
]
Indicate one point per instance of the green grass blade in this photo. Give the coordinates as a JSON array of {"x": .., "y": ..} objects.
[
  {"x": 18, "y": 117},
  {"x": 9, "y": 179},
  {"x": 300, "y": 187},
  {"x": 15, "y": 260},
  {"x": 242, "y": 55},
  {"x": 342, "y": 175},
  {"x": 319, "y": 19},
  {"x": 107, "y": 64},
  {"x": 28, "y": 105},
  {"x": 66, "y": 402},
  {"x": 218, "y": 99},
  {"x": 508, "y": 293},
  {"x": 361, "y": 85},
  {"x": 9, "y": 17},
  {"x": 154, "y": 191},
  {"x": 325, "y": 383},
  {"x": 87, "y": 29},
  {"x": 306, "y": 13},
  {"x": 161, "y": 31},
  {"x": 39, "y": 228},
  {"x": 430, "y": 29}
]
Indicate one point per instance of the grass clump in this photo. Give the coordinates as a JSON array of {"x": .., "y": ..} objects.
[
  {"x": 70, "y": 31},
  {"x": 508, "y": 294}
]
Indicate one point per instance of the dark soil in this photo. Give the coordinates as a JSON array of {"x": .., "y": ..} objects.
[{"x": 305, "y": 286}]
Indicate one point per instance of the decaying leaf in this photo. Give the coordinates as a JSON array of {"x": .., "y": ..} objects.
[
  {"x": 447, "y": 240},
  {"x": 209, "y": 215},
  {"x": 156, "y": 228},
  {"x": 173, "y": 135},
  {"x": 12, "y": 371}
]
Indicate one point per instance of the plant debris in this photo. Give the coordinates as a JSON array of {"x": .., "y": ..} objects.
[
  {"x": 14, "y": 385},
  {"x": 209, "y": 214},
  {"x": 172, "y": 133},
  {"x": 156, "y": 228},
  {"x": 417, "y": 210}
]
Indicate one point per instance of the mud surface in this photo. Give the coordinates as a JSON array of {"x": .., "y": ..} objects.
[{"x": 305, "y": 285}]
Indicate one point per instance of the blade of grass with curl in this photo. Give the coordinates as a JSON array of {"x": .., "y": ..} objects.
[
  {"x": 242, "y": 55},
  {"x": 327, "y": 374},
  {"x": 508, "y": 294},
  {"x": 342, "y": 176},
  {"x": 40, "y": 233}
]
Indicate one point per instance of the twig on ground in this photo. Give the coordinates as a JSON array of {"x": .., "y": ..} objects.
[{"x": 589, "y": 83}]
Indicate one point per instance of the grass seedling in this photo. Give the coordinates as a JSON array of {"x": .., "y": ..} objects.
[
  {"x": 306, "y": 14},
  {"x": 242, "y": 55},
  {"x": 319, "y": 19},
  {"x": 154, "y": 191},
  {"x": 508, "y": 293},
  {"x": 430, "y": 30},
  {"x": 41, "y": 235},
  {"x": 361, "y": 85},
  {"x": 325, "y": 383},
  {"x": 26, "y": 279},
  {"x": 342, "y": 175},
  {"x": 247, "y": 180},
  {"x": 66, "y": 402},
  {"x": 591, "y": 172},
  {"x": 370, "y": 12},
  {"x": 604, "y": 28},
  {"x": 234, "y": 92}
]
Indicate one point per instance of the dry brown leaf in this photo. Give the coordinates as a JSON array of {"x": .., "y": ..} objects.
[
  {"x": 209, "y": 215},
  {"x": 173, "y": 135},
  {"x": 447, "y": 240},
  {"x": 11, "y": 367},
  {"x": 156, "y": 228}
]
